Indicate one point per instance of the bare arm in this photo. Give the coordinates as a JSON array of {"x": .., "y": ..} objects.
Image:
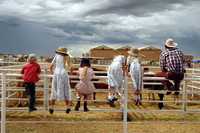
[{"x": 51, "y": 68}]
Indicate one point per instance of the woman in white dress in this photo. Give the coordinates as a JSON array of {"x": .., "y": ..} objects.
[
  {"x": 115, "y": 78},
  {"x": 135, "y": 70},
  {"x": 61, "y": 89}
]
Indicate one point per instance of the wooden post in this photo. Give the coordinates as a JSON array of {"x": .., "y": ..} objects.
[{"x": 3, "y": 104}]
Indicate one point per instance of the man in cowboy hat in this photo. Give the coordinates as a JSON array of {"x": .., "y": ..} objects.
[{"x": 172, "y": 66}]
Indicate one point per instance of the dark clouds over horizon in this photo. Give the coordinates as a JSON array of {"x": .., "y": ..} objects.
[{"x": 40, "y": 26}]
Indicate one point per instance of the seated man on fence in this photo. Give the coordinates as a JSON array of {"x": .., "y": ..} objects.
[
  {"x": 172, "y": 66},
  {"x": 30, "y": 72}
]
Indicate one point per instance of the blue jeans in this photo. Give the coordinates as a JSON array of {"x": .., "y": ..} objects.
[{"x": 30, "y": 91}]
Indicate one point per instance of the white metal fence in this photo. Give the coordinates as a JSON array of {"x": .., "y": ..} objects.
[{"x": 9, "y": 75}]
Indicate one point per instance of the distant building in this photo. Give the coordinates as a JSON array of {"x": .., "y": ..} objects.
[
  {"x": 103, "y": 54},
  {"x": 151, "y": 54},
  {"x": 123, "y": 50}
]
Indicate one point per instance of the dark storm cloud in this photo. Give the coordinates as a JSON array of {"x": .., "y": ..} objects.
[
  {"x": 42, "y": 25},
  {"x": 137, "y": 7}
]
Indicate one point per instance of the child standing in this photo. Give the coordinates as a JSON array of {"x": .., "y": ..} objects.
[
  {"x": 61, "y": 89},
  {"x": 85, "y": 87},
  {"x": 115, "y": 78},
  {"x": 30, "y": 73},
  {"x": 136, "y": 73}
]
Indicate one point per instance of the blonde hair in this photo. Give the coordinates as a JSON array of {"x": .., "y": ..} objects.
[
  {"x": 67, "y": 62},
  {"x": 85, "y": 71}
]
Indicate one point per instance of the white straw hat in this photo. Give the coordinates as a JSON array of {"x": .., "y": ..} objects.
[{"x": 62, "y": 50}]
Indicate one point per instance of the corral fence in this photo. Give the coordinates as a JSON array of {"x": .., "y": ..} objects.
[{"x": 190, "y": 87}]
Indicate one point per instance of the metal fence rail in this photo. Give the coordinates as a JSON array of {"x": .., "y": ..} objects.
[{"x": 8, "y": 77}]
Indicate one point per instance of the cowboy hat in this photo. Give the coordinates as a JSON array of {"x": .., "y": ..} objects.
[
  {"x": 135, "y": 52},
  {"x": 170, "y": 43},
  {"x": 62, "y": 50}
]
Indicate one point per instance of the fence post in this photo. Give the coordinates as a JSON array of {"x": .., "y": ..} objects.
[
  {"x": 46, "y": 90},
  {"x": 3, "y": 104},
  {"x": 125, "y": 110},
  {"x": 184, "y": 97},
  {"x": 192, "y": 82}
]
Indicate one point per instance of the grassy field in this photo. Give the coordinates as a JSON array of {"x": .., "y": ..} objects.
[{"x": 157, "y": 127}]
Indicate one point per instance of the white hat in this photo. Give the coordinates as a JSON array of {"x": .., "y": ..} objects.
[
  {"x": 32, "y": 56},
  {"x": 170, "y": 43}
]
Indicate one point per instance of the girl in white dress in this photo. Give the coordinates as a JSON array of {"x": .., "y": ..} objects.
[
  {"x": 60, "y": 84},
  {"x": 115, "y": 78}
]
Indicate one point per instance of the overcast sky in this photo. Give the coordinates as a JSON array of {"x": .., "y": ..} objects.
[{"x": 40, "y": 26}]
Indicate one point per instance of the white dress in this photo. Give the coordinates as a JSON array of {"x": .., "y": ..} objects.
[
  {"x": 61, "y": 89},
  {"x": 136, "y": 74},
  {"x": 115, "y": 73}
]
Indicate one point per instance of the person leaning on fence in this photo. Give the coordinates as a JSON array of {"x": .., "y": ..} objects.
[
  {"x": 115, "y": 78},
  {"x": 61, "y": 89},
  {"x": 85, "y": 87},
  {"x": 172, "y": 66},
  {"x": 30, "y": 72},
  {"x": 135, "y": 68}
]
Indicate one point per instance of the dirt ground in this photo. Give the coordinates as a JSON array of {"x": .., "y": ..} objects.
[{"x": 154, "y": 127}]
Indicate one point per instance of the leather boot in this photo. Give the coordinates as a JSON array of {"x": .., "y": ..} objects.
[
  {"x": 85, "y": 107},
  {"x": 78, "y": 104}
]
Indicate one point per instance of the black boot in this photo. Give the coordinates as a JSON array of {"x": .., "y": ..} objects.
[
  {"x": 67, "y": 110},
  {"x": 51, "y": 111},
  {"x": 78, "y": 104},
  {"x": 160, "y": 105},
  {"x": 85, "y": 107}
]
